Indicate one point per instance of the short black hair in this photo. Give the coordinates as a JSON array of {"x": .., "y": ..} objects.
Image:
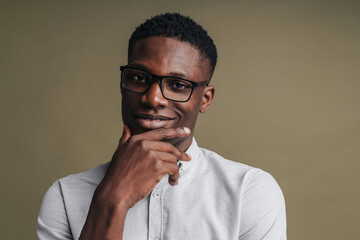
[{"x": 183, "y": 28}]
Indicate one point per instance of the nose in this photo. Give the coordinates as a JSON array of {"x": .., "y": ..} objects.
[{"x": 154, "y": 97}]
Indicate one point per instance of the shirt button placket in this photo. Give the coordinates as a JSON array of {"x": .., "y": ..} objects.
[{"x": 155, "y": 214}]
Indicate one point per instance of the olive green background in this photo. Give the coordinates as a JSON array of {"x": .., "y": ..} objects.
[{"x": 287, "y": 99}]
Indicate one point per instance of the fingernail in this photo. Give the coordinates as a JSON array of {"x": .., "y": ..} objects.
[
  {"x": 186, "y": 130},
  {"x": 188, "y": 155}
]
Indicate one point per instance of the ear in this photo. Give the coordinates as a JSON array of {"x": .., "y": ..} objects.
[{"x": 207, "y": 97}]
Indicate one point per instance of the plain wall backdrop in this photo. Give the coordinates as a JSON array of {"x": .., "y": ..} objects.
[{"x": 287, "y": 99}]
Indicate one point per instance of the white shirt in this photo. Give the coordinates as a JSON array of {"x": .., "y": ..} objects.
[{"x": 215, "y": 199}]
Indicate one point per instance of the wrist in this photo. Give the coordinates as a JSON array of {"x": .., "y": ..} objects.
[
  {"x": 112, "y": 196},
  {"x": 105, "y": 219}
]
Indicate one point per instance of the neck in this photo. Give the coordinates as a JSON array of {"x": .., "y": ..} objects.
[{"x": 182, "y": 144}]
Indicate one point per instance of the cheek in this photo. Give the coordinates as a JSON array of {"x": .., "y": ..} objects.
[
  {"x": 189, "y": 110},
  {"x": 128, "y": 103}
]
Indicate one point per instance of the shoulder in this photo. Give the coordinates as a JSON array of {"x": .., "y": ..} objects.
[
  {"x": 254, "y": 182},
  {"x": 231, "y": 169},
  {"x": 76, "y": 184},
  {"x": 258, "y": 195},
  {"x": 74, "y": 193},
  {"x": 79, "y": 186},
  {"x": 90, "y": 177},
  {"x": 74, "y": 188},
  {"x": 262, "y": 203}
]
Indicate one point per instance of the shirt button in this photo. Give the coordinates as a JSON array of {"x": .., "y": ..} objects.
[
  {"x": 181, "y": 171},
  {"x": 155, "y": 195}
]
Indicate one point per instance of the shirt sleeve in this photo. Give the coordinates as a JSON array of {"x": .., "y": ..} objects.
[
  {"x": 52, "y": 220},
  {"x": 263, "y": 214}
]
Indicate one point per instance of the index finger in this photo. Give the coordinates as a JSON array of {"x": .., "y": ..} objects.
[{"x": 166, "y": 133}]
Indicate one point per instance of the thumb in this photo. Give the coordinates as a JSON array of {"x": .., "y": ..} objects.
[{"x": 125, "y": 135}]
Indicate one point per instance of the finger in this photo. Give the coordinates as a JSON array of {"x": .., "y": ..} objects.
[
  {"x": 173, "y": 171},
  {"x": 185, "y": 157},
  {"x": 166, "y": 133},
  {"x": 125, "y": 135},
  {"x": 168, "y": 148},
  {"x": 167, "y": 157},
  {"x": 172, "y": 181},
  {"x": 164, "y": 147}
]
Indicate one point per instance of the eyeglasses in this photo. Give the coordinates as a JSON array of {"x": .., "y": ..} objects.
[{"x": 172, "y": 88}]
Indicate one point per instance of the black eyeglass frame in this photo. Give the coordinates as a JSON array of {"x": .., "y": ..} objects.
[{"x": 155, "y": 77}]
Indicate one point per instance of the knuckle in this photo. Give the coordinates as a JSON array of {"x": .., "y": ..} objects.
[
  {"x": 150, "y": 155},
  {"x": 163, "y": 132},
  {"x": 153, "y": 155},
  {"x": 143, "y": 144},
  {"x": 158, "y": 166}
]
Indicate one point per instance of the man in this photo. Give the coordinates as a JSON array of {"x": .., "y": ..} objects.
[{"x": 159, "y": 183}]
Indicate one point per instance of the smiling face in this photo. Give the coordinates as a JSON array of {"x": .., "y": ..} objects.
[{"x": 165, "y": 56}]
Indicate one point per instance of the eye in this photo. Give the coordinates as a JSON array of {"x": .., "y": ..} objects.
[
  {"x": 178, "y": 85},
  {"x": 136, "y": 77}
]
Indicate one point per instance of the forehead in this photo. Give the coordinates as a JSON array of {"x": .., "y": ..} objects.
[{"x": 169, "y": 56}]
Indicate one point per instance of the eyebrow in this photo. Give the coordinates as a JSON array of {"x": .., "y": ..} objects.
[
  {"x": 171, "y": 74},
  {"x": 178, "y": 74}
]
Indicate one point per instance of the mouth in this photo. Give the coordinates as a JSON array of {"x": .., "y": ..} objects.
[{"x": 148, "y": 121}]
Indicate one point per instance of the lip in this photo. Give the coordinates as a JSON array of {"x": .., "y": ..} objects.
[{"x": 150, "y": 121}]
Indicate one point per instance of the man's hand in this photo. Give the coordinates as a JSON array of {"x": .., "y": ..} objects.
[{"x": 138, "y": 164}]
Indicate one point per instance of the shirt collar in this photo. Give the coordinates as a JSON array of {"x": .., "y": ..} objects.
[{"x": 194, "y": 152}]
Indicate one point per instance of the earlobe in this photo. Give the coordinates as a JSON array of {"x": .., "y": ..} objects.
[{"x": 207, "y": 98}]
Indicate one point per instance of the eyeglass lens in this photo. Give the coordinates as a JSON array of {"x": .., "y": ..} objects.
[{"x": 172, "y": 88}]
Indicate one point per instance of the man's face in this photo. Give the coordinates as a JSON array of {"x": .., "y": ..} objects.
[{"x": 166, "y": 57}]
